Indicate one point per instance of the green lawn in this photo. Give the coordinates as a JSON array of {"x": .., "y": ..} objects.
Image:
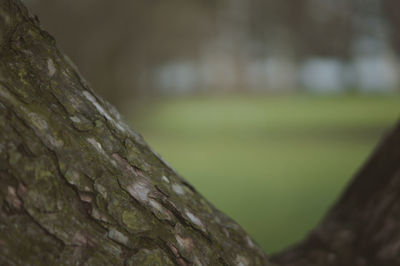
[{"x": 273, "y": 163}]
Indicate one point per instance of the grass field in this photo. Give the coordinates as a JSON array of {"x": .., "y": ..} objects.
[{"x": 275, "y": 163}]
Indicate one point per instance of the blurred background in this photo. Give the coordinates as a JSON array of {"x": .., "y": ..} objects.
[{"x": 267, "y": 107}]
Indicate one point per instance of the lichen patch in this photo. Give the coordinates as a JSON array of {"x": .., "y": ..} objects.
[
  {"x": 12, "y": 198},
  {"x": 250, "y": 242},
  {"x": 139, "y": 190},
  {"x": 99, "y": 215},
  {"x": 97, "y": 146},
  {"x": 99, "y": 108},
  {"x": 117, "y": 236},
  {"x": 194, "y": 219},
  {"x": 135, "y": 221},
  {"x": 75, "y": 119},
  {"x": 101, "y": 189},
  {"x": 42, "y": 129},
  {"x": 79, "y": 239},
  {"x": 165, "y": 179},
  {"x": 159, "y": 211},
  {"x": 51, "y": 68},
  {"x": 72, "y": 177},
  {"x": 178, "y": 189},
  {"x": 184, "y": 242},
  {"x": 85, "y": 197},
  {"x": 102, "y": 111},
  {"x": 241, "y": 261},
  {"x": 38, "y": 122}
]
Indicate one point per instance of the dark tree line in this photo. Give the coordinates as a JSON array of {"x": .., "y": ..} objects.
[{"x": 133, "y": 38}]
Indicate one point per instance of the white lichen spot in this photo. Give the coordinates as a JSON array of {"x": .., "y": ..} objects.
[
  {"x": 55, "y": 142},
  {"x": 114, "y": 163},
  {"x": 96, "y": 214},
  {"x": 99, "y": 108},
  {"x": 165, "y": 179},
  {"x": 156, "y": 205},
  {"x": 178, "y": 189},
  {"x": 38, "y": 122},
  {"x": 102, "y": 190},
  {"x": 226, "y": 232},
  {"x": 184, "y": 242},
  {"x": 139, "y": 191},
  {"x": 79, "y": 239},
  {"x": 120, "y": 127},
  {"x": 194, "y": 219},
  {"x": 102, "y": 111},
  {"x": 72, "y": 176},
  {"x": 12, "y": 198},
  {"x": 75, "y": 119},
  {"x": 5, "y": 94},
  {"x": 60, "y": 205},
  {"x": 241, "y": 261},
  {"x": 159, "y": 211},
  {"x": 85, "y": 197},
  {"x": 118, "y": 236},
  {"x": 51, "y": 67},
  {"x": 42, "y": 130},
  {"x": 250, "y": 242},
  {"x": 96, "y": 145}
]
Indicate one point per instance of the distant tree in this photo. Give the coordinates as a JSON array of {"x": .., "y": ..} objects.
[
  {"x": 302, "y": 26},
  {"x": 389, "y": 8}
]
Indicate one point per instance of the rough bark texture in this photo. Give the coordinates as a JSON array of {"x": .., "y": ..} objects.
[{"x": 78, "y": 186}]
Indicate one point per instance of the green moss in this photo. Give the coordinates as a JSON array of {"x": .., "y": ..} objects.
[
  {"x": 135, "y": 221},
  {"x": 22, "y": 77},
  {"x": 81, "y": 123},
  {"x": 150, "y": 258},
  {"x": 80, "y": 181}
]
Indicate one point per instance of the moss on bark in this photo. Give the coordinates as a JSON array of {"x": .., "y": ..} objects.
[{"x": 78, "y": 186}]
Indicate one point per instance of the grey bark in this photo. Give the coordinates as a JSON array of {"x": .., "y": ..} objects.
[{"x": 79, "y": 187}]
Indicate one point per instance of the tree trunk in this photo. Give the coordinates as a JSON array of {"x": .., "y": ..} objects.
[{"x": 79, "y": 187}]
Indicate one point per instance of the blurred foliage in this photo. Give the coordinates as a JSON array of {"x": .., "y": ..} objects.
[
  {"x": 120, "y": 46},
  {"x": 116, "y": 44}
]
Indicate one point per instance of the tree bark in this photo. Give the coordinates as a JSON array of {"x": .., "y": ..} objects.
[{"x": 79, "y": 187}]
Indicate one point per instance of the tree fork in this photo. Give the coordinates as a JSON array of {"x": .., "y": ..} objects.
[{"x": 78, "y": 186}]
